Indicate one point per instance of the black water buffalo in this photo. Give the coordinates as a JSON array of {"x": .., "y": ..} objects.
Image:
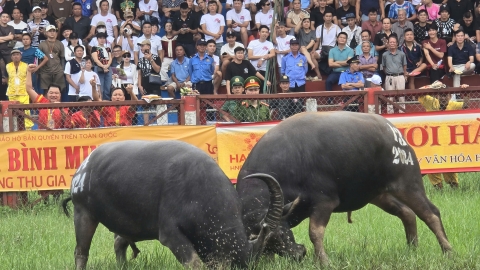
[
  {"x": 335, "y": 162},
  {"x": 170, "y": 191}
]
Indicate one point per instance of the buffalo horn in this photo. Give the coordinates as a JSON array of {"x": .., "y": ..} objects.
[{"x": 275, "y": 208}]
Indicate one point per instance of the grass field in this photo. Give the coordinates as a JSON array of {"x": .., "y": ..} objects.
[{"x": 43, "y": 238}]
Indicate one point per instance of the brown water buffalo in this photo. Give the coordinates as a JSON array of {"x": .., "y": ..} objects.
[
  {"x": 169, "y": 191},
  {"x": 335, "y": 162}
]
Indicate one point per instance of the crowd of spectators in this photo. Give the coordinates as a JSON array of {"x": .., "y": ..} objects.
[{"x": 143, "y": 47}]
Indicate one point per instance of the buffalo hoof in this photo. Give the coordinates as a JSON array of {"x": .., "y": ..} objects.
[{"x": 299, "y": 253}]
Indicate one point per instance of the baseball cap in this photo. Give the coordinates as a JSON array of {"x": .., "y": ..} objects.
[
  {"x": 349, "y": 16},
  {"x": 284, "y": 78},
  {"x": 50, "y": 27},
  {"x": 237, "y": 81},
  {"x": 443, "y": 8},
  {"x": 201, "y": 42},
  {"x": 375, "y": 79},
  {"x": 43, "y": 5},
  {"x": 252, "y": 81},
  {"x": 231, "y": 34},
  {"x": 354, "y": 59},
  {"x": 144, "y": 42},
  {"x": 35, "y": 8},
  {"x": 15, "y": 51},
  {"x": 294, "y": 41}
]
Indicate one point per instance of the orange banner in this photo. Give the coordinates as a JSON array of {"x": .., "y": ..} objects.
[
  {"x": 46, "y": 160},
  {"x": 446, "y": 141},
  {"x": 443, "y": 141},
  {"x": 235, "y": 142}
]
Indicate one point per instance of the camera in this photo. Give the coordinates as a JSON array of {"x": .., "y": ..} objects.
[{"x": 127, "y": 31}]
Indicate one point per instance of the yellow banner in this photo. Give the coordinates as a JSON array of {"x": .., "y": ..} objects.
[
  {"x": 235, "y": 142},
  {"x": 46, "y": 160},
  {"x": 443, "y": 141}
]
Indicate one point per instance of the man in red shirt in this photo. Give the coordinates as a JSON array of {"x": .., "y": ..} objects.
[
  {"x": 434, "y": 49},
  {"x": 373, "y": 24}
]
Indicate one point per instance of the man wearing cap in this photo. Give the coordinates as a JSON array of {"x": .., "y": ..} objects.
[
  {"x": 79, "y": 23},
  {"x": 155, "y": 42},
  {"x": 17, "y": 82},
  {"x": 150, "y": 63},
  {"x": 238, "y": 20},
  {"x": 227, "y": 51},
  {"x": 284, "y": 108},
  {"x": 230, "y": 106},
  {"x": 401, "y": 25},
  {"x": 36, "y": 27},
  {"x": 88, "y": 7},
  {"x": 445, "y": 25},
  {"x": 52, "y": 71},
  {"x": 108, "y": 18},
  {"x": 353, "y": 31},
  {"x": 45, "y": 14},
  {"x": 374, "y": 81},
  {"x": 103, "y": 30},
  {"x": 352, "y": 78},
  {"x": 342, "y": 12},
  {"x": 434, "y": 49},
  {"x": 184, "y": 27},
  {"x": 240, "y": 67},
  {"x": 295, "y": 66},
  {"x": 253, "y": 110},
  {"x": 201, "y": 69}
]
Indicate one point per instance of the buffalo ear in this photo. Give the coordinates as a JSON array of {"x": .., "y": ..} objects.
[{"x": 289, "y": 207}]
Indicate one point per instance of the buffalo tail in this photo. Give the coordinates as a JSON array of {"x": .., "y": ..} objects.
[{"x": 65, "y": 206}]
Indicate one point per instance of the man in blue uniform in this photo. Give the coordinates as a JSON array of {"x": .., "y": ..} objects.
[
  {"x": 352, "y": 79},
  {"x": 201, "y": 69},
  {"x": 295, "y": 66}
]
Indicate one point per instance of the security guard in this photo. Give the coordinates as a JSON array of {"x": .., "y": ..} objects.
[
  {"x": 253, "y": 110},
  {"x": 295, "y": 66},
  {"x": 230, "y": 106},
  {"x": 352, "y": 78}
]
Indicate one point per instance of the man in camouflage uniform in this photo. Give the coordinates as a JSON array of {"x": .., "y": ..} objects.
[
  {"x": 230, "y": 106},
  {"x": 253, "y": 110}
]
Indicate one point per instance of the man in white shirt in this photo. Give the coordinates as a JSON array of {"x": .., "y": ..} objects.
[
  {"x": 19, "y": 27},
  {"x": 353, "y": 31},
  {"x": 330, "y": 32},
  {"x": 281, "y": 41},
  {"x": 238, "y": 20},
  {"x": 149, "y": 7},
  {"x": 260, "y": 50},
  {"x": 212, "y": 25},
  {"x": 155, "y": 41},
  {"x": 228, "y": 51},
  {"x": 107, "y": 18}
]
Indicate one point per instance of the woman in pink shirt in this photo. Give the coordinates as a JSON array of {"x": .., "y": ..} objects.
[{"x": 431, "y": 8}]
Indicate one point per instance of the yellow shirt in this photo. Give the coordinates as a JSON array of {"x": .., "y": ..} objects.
[
  {"x": 432, "y": 104},
  {"x": 17, "y": 79}
]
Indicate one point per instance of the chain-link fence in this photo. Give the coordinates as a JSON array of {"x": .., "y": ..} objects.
[
  {"x": 422, "y": 100},
  {"x": 260, "y": 108},
  {"x": 81, "y": 115}
]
